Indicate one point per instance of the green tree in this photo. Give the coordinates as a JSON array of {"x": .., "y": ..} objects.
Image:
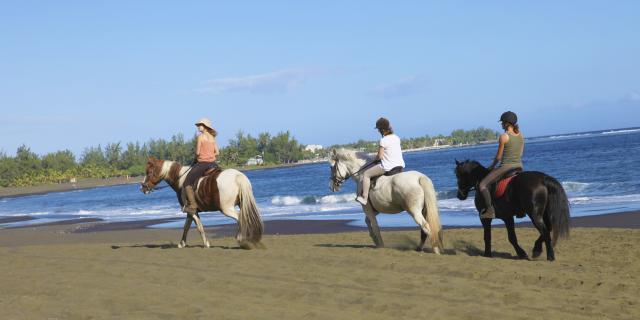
[
  {"x": 59, "y": 160},
  {"x": 93, "y": 156}
]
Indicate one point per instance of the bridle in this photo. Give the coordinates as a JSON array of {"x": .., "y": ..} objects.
[
  {"x": 154, "y": 186},
  {"x": 338, "y": 181}
]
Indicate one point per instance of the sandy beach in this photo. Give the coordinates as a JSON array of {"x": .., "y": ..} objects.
[{"x": 314, "y": 270}]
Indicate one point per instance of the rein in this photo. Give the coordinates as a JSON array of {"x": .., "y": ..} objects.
[{"x": 155, "y": 188}]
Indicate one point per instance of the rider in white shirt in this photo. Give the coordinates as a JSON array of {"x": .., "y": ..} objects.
[{"x": 389, "y": 154}]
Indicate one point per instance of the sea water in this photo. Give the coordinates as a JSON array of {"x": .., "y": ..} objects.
[{"x": 599, "y": 171}]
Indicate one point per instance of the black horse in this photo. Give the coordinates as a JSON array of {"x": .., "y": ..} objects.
[{"x": 538, "y": 195}]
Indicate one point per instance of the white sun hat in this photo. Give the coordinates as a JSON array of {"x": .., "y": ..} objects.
[{"x": 205, "y": 122}]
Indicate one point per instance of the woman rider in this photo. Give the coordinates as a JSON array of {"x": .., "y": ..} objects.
[
  {"x": 206, "y": 152},
  {"x": 510, "y": 149},
  {"x": 389, "y": 155}
]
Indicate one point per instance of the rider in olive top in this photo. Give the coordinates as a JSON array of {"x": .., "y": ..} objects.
[{"x": 510, "y": 149}]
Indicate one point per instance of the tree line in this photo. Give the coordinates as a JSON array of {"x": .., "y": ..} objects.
[
  {"x": 117, "y": 159},
  {"x": 457, "y": 137}
]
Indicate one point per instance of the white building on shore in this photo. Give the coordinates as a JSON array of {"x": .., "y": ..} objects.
[{"x": 313, "y": 147}]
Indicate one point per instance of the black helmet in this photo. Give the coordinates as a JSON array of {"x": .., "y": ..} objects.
[
  {"x": 509, "y": 117},
  {"x": 382, "y": 124}
]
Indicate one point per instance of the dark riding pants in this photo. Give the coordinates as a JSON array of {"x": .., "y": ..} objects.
[
  {"x": 197, "y": 170},
  {"x": 493, "y": 176}
]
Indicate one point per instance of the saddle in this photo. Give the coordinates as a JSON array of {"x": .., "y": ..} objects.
[
  {"x": 391, "y": 172},
  {"x": 503, "y": 183}
]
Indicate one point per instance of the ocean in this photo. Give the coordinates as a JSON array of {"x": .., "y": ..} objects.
[{"x": 597, "y": 169}]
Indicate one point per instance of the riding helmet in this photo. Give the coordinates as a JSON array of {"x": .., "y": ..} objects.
[
  {"x": 382, "y": 124},
  {"x": 509, "y": 117}
]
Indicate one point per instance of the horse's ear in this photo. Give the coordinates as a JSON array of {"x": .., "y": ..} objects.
[{"x": 457, "y": 162}]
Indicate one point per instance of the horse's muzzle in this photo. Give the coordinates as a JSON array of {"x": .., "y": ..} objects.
[
  {"x": 144, "y": 188},
  {"x": 334, "y": 187},
  {"x": 462, "y": 195}
]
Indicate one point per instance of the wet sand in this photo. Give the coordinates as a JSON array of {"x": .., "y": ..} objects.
[
  {"x": 8, "y": 192},
  {"x": 332, "y": 271}
]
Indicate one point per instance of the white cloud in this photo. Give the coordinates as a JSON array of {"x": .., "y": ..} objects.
[
  {"x": 273, "y": 82},
  {"x": 401, "y": 88}
]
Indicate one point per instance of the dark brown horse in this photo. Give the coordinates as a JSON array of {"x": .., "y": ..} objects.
[
  {"x": 218, "y": 192},
  {"x": 534, "y": 193}
]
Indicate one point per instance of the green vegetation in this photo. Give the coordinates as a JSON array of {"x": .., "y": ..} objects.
[
  {"x": 457, "y": 137},
  {"x": 116, "y": 159}
]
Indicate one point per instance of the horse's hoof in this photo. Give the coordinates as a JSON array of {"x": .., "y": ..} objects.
[
  {"x": 246, "y": 245},
  {"x": 182, "y": 244},
  {"x": 536, "y": 254},
  {"x": 487, "y": 255},
  {"x": 208, "y": 245},
  {"x": 419, "y": 249},
  {"x": 436, "y": 250}
]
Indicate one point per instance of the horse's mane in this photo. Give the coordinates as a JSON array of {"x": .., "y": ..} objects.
[{"x": 350, "y": 155}]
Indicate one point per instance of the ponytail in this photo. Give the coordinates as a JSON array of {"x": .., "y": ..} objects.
[{"x": 516, "y": 128}]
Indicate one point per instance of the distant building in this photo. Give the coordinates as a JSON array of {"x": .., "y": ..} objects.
[
  {"x": 255, "y": 161},
  {"x": 313, "y": 147}
]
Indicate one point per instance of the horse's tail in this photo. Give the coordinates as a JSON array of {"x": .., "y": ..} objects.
[
  {"x": 557, "y": 209},
  {"x": 249, "y": 220},
  {"x": 430, "y": 213}
]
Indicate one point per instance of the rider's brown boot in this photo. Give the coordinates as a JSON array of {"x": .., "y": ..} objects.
[{"x": 191, "y": 207}]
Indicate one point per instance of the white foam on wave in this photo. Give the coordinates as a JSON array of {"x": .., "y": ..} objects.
[
  {"x": 622, "y": 131},
  {"x": 605, "y": 199},
  {"x": 565, "y": 136},
  {"x": 573, "y": 186},
  {"x": 457, "y": 205},
  {"x": 312, "y": 200}
]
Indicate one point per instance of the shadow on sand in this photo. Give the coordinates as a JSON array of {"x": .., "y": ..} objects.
[
  {"x": 172, "y": 246},
  {"x": 473, "y": 251}
]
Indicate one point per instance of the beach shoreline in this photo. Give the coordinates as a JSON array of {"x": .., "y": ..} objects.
[{"x": 88, "y": 226}]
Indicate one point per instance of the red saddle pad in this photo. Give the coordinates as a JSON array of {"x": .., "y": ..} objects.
[{"x": 502, "y": 186}]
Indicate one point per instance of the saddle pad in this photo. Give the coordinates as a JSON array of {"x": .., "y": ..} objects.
[{"x": 502, "y": 186}]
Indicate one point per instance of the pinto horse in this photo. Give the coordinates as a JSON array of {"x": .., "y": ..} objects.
[
  {"x": 409, "y": 191},
  {"x": 538, "y": 195},
  {"x": 233, "y": 188}
]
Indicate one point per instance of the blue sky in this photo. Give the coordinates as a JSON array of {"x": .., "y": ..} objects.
[{"x": 79, "y": 74}]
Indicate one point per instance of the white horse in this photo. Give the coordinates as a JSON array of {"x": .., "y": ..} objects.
[
  {"x": 231, "y": 188},
  {"x": 409, "y": 191}
]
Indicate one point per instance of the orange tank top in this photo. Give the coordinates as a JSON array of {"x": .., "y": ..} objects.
[{"x": 207, "y": 149}]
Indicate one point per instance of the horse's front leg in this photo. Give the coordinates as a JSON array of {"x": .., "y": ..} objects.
[
  {"x": 205, "y": 242},
  {"x": 486, "y": 225},
  {"x": 187, "y": 225},
  {"x": 372, "y": 223},
  {"x": 537, "y": 247},
  {"x": 511, "y": 231}
]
